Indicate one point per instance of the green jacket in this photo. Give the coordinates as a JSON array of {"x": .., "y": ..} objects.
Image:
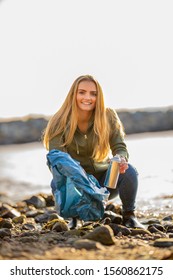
[{"x": 81, "y": 148}]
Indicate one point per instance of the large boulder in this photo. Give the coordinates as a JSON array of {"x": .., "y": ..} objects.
[
  {"x": 147, "y": 120},
  {"x": 23, "y": 130}
]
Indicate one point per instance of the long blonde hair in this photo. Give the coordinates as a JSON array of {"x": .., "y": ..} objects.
[{"x": 65, "y": 121}]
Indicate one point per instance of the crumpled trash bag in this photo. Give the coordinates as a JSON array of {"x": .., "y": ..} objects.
[{"x": 77, "y": 194}]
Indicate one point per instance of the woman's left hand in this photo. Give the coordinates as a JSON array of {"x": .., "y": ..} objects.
[{"x": 123, "y": 165}]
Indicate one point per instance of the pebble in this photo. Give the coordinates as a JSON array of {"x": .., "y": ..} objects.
[
  {"x": 60, "y": 226},
  {"x": 57, "y": 225},
  {"x": 168, "y": 218},
  {"x": 157, "y": 226},
  {"x": 7, "y": 211},
  {"x": 19, "y": 220},
  {"x": 5, "y": 232},
  {"x": 38, "y": 201},
  {"x": 28, "y": 226},
  {"x": 117, "y": 229},
  {"x": 163, "y": 242},
  {"x": 103, "y": 234},
  {"x": 153, "y": 229},
  {"x": 5, "y": 223}
]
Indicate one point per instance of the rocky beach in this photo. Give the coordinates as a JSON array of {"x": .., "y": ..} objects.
[{"x": 30, "y": 228}]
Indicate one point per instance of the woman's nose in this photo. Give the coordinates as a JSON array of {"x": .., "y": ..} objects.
[{"x": 87, "y": 96}]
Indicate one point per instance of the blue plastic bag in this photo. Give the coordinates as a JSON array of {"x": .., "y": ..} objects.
[{"x": 77, "y": 194}]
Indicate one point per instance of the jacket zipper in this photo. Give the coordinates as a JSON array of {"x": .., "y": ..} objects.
[
  {"x": 77, "y": 147},
  {"x": 91, "y": 162}
]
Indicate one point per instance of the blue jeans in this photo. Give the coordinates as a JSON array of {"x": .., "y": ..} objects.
[{"x": 126, "y": 188}]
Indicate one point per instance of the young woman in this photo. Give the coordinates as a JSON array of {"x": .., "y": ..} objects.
[{"x": 90, "y": 133}]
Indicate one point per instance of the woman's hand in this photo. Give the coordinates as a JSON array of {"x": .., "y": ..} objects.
[{"x": 123, "y": 165}]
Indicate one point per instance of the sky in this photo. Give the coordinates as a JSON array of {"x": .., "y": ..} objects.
[{"x": 46, "y": 44}]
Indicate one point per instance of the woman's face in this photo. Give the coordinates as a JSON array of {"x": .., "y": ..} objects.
[{"x": 86, "y": 96}]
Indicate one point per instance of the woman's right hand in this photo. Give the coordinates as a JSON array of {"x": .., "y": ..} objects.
[{"x": 123, "y": 165}]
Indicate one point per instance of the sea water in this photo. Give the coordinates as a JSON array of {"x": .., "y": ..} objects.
[{"x": 23, "y": 168}]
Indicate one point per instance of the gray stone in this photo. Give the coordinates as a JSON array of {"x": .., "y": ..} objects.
[
  {"x": 36, "y": 200},
  {"x": 5, "y": 232},
  {"x": 29, "y": 226},
  {"x": 43, "y": 218},
  {"x": 120, "y": 229},
  {"x": 168, "y": 218},
  {"x": 4, "y": 223},
  {"x": 163, "y": 242},
  {"x": 60, "y": 226},
  {"x": 103, "y": 234},
  {"x": 153, "y": 229},
  {"x": 157, "y": 226},
  {"x": 8, "y": 211}
]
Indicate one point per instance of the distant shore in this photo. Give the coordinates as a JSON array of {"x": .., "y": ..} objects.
[{"x": 30, "y": 128}]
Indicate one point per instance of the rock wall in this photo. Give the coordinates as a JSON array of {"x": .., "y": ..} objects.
[
  {"x": 138, "y": 121},
  {"x": 30, "y": 128},
  {"x": 23, "y": 130}
]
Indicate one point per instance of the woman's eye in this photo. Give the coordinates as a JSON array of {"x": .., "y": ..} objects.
[{"x": 94, "y": 94}]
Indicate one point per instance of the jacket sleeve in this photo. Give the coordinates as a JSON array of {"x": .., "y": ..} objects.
[
  {"x": 56, "y": 143},
  {"x": 116, "y": 140}
]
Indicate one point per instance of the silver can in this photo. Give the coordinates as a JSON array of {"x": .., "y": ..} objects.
[{"x": 112, "y": 173}]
